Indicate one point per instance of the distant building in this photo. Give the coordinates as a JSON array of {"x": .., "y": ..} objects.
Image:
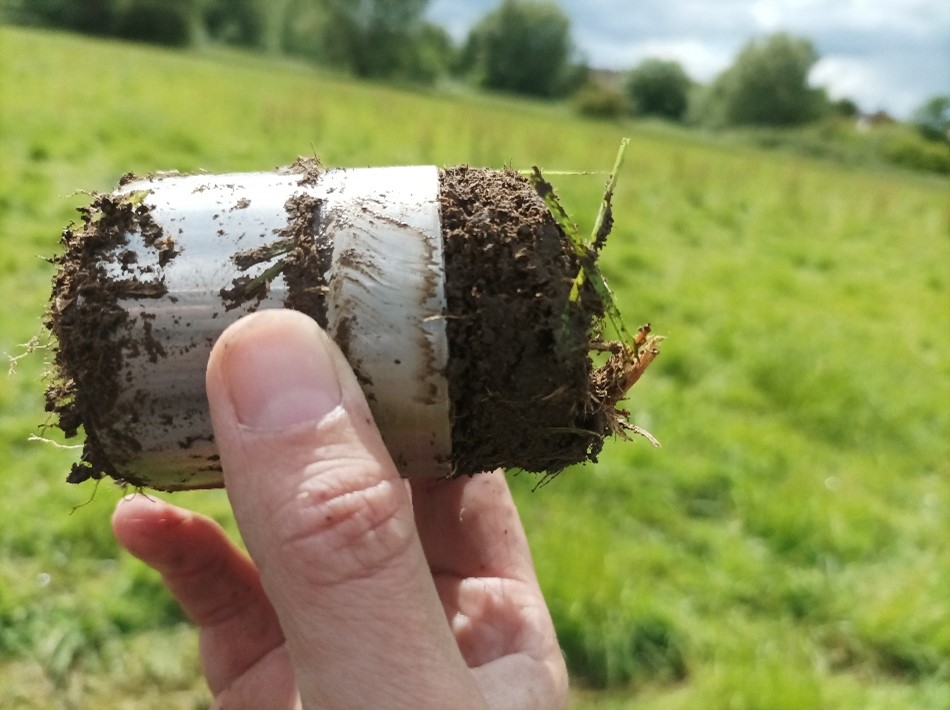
[
  {"x": 610, "y": 78},
  {"x": 868, "y": 121}
]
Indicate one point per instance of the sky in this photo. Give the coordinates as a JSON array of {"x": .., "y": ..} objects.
[{"x": 887, "y": 55}]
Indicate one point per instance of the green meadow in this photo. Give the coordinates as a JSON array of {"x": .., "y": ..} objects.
[{"x": 787, "y": 547}]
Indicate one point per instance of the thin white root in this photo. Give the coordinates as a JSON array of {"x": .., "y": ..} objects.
[
  {"x": 28, "y": 349},
  {"x": 55, "y": 444}
]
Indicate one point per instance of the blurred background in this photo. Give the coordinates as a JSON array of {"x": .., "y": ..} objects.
[{"x": 783, "y": 217}]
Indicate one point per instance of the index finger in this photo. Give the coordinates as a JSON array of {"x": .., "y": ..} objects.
[{"x": 216, "y": 585}]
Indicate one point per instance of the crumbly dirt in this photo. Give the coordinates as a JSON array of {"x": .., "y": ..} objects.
[
  {"x": 84, "y": 317},
  {"x": 309, "y": 259},
  {"x": 520, "y": 377},
  {"x": 309, "y": 169},
  {"x": 93, "y": 332},
  {"x": 304, "y": 262}
]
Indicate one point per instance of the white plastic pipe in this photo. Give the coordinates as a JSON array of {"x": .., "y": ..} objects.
[{"x": 383, "y": 294}]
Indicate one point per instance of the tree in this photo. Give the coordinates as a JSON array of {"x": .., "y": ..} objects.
[
  {"x": 846, "y": 108},
  {"x": 263, "y": 24},
  {"x": 171, "y": 22},
  {"x": 435, "y": 52},
  {"x": 524, "y": 46},
  {"x": 599, "y": 99},
  {"x": 659, "y": 88},
  {"x": 89, "y": 16},
  {"x": 238, "y": 22},
  {"x": 374, "y": 38},
  {"x": 768, "y": 84},
  {"x": 933, "y": 118}
]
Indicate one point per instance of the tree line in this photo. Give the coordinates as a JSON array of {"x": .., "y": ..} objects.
[
  {"x": 522, "y": 46},
  {"x": 767, "y": 85}
]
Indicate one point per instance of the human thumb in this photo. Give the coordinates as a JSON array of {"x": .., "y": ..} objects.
[{"x": 328, "y": 522}]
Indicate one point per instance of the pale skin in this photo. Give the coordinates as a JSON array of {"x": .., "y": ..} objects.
[{"x": 359, "y": 590}]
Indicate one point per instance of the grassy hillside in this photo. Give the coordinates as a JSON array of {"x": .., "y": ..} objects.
[{"x": 786, "y": 548}]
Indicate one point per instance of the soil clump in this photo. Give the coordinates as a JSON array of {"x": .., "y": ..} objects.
[
  {"x": 520, "y": 377},
  {"x": 87, "y": 322}
]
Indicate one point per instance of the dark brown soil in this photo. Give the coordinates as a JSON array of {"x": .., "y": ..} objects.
[
  {"x": 309, "y": 169},
  {"x": 304, "y": 263},
  {"x": 520, "y": 378},
  {"x": 91, "y": 329},
  {"x": 84, "y": 317},
  {"x": 309, "y": 259}
]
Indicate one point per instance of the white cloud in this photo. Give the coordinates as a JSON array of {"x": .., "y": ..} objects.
[
  {"x": 844, "y": 77},
  {"x": 881, "y": 82},
  {"x": 701, "y": 60},
  {"x": 910, "y": 18}
]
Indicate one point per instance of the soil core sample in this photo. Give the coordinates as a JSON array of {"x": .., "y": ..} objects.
[
  {"x": 466, "y": 312},
  {"x": 519, "y": 371}
]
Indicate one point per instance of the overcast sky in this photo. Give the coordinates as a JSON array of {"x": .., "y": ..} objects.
[{"x": 884, "y": 54}]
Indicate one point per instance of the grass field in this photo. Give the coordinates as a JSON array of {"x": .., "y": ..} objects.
[{"x": 786, "y": 548}]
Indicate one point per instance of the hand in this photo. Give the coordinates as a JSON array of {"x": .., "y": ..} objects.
[{"x": 361, "y": 591}]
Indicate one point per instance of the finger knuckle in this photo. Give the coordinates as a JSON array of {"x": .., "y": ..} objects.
[{"x": 345, "y": 522}]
